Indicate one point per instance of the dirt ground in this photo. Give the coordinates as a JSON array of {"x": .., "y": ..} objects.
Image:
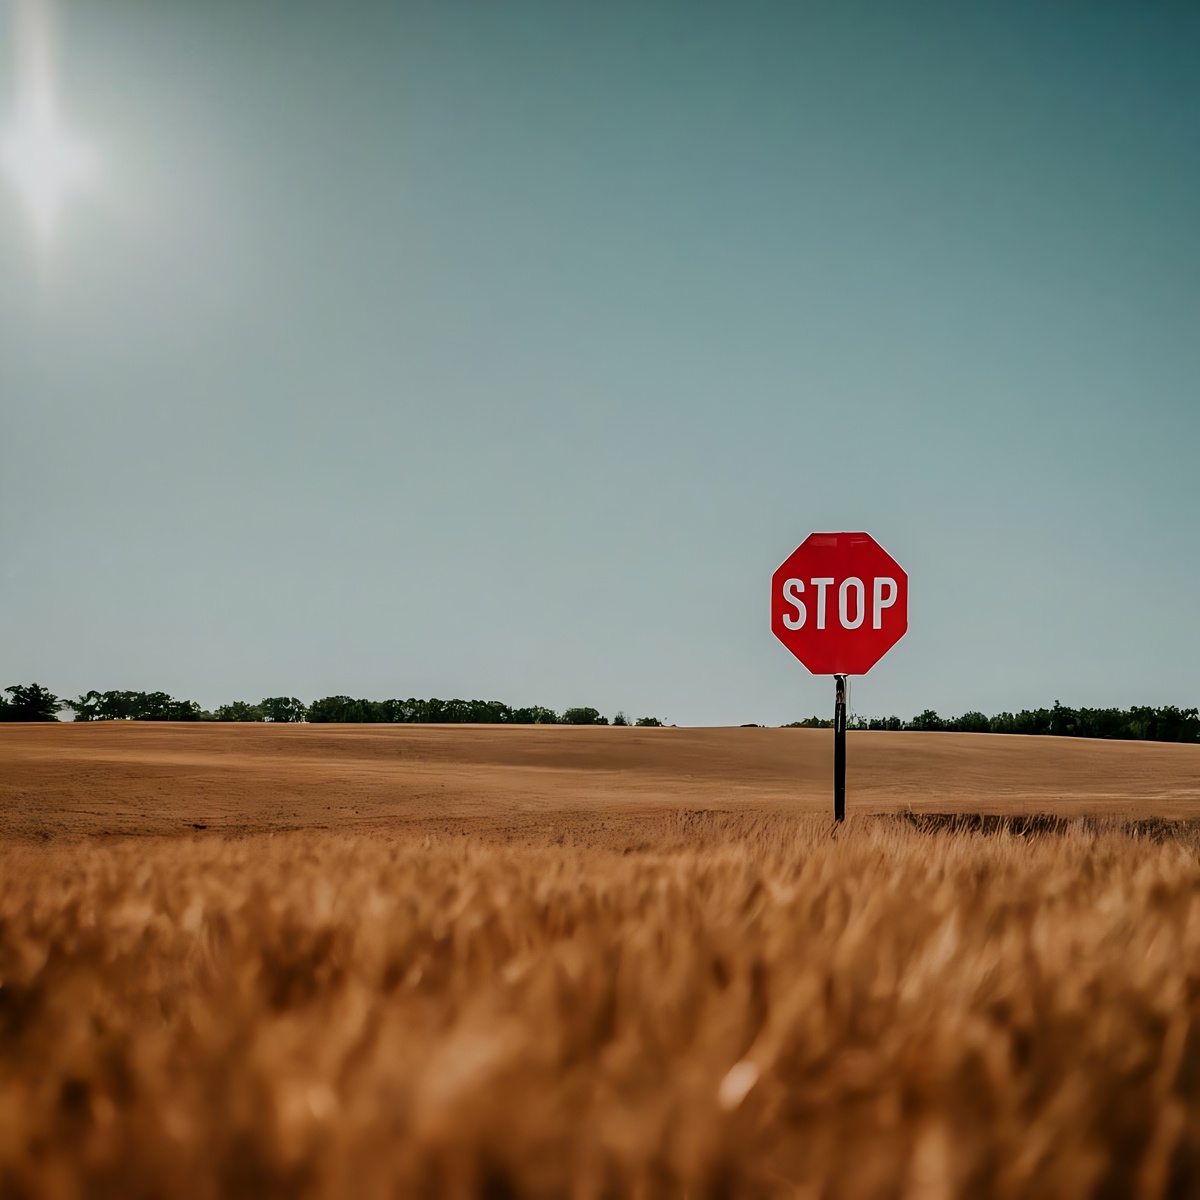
[{"x": 163, "y": 779}]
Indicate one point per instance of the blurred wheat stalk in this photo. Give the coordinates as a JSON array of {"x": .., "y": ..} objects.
[{"x": 738, "y": 1007}]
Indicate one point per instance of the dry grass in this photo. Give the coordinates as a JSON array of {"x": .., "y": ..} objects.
[{"x": 704, "y": 1005}]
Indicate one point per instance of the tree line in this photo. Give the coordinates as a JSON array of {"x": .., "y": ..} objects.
[
  {"x": 32, "y": 702},
  {"x": 1140, "y": 723}
]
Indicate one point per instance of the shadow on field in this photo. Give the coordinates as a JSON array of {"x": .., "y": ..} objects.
[{"x": 1155, "y": 829}]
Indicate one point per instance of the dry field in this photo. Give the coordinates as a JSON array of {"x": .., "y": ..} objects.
[
  {"x": 611, "y": 993},
  {"x": 118, "y": 778}
]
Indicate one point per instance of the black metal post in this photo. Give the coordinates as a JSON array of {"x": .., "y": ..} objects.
[{"x": 839, "y": 748}]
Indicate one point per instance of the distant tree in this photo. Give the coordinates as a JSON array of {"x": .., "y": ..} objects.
[
  {"x": 1178, "y": 724},
  {"x": 583, "y": 716},
  {"x": 327, "y": 709},
  {"x": 1032, "y": 721},
  {"x": 240, "y": 710},
  {"x": 117, "y": 706},
  {"x": 476, "y": 712},
  {"x": 1168, "y": 723},
  {"x": 283, "y": 709},
  {"x": 345, "y": 709},
  {"x": 85, "y": 707},
  {"x": 927, "y": 721},
  {"x": 971, "y": 722},
  {"x": 158, "y": 706},
  {"x": 122, "y": 705},
  {"x": 134, "y": 706},
  {"x": 1104, "y": 723},
  {"x": 393, "y": 712},
  {"x": 1063, "y": 721},
  {"x": 183, "y": 710},
  {"x": 648, "y": 722},
  {"x": 154, "y": 706},
  {"x": 533, "y": 715},
  {"x": 29, "y": 702}
]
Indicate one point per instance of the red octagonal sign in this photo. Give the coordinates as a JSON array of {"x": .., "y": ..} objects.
[{"x": 839, "y": 603}]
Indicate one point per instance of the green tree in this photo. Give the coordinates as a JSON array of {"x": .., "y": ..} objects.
[
  {"x": 1063, "y": 721},
  {"x": 927, "y": 721},
  {"x": 85, "y": 707},
  {"x": 239, "y": 710},
  {"x": 345, "y": 709},
  {"x": 118, "y": 706},
  {"x": 29, "y": 702},
  {"x": 648, "y": 722},
  {"x": 134, "y": 706},
  {"x": 583, "y": 716},
  {"x": 620, "y": 719},
  {"x": 972, "y": 722},
  {"x": 161, "y": 707},
  {"x": 283, "y": 709},
  {"x": 533, "y": 715}
]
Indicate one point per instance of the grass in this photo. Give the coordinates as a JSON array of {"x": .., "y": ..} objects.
[{"x": 698, "y": 1005}]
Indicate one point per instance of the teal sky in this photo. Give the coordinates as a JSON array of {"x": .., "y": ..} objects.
[{"x": 505, "y": 350}]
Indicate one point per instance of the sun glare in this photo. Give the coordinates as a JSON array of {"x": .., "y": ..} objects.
[
  {"x": 43, "y": 164},
  {"x": 42, "y": 161}
]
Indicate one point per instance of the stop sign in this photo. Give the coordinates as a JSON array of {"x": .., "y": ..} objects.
[{"x": 839, "y": 603}]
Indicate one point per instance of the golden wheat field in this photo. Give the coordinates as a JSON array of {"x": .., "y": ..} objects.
[
  {"x": 639, "y": 1001},
  {"x": 730, "y": 1006}
]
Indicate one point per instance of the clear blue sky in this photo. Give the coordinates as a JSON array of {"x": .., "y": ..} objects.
[{"x": 505, "y": 350}]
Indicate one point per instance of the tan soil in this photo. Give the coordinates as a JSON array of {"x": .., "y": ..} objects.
[{"x": 146, "y": 778}]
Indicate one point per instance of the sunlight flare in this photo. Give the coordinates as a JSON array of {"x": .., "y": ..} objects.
[{"x": 42, "y": 161}]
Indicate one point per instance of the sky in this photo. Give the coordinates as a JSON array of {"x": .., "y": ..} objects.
[{"x": 505, "y": 350}]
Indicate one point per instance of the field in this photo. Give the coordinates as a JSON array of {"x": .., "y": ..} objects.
[
  {"x": 118, "y": 778},
  {"x": 501, "y": 963}
]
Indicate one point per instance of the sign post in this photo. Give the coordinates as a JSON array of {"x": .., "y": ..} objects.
[
  {"x": 839, "y": 603},
  {"x": 839, "y": 747}
]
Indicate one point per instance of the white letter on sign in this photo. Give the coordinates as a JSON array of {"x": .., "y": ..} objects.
[
  {"x": 821, "y": 585},
  {"x": 791, "y": 595},
  {"x": 882, "y": 602},
  {"x": 859, "y": 607}
]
